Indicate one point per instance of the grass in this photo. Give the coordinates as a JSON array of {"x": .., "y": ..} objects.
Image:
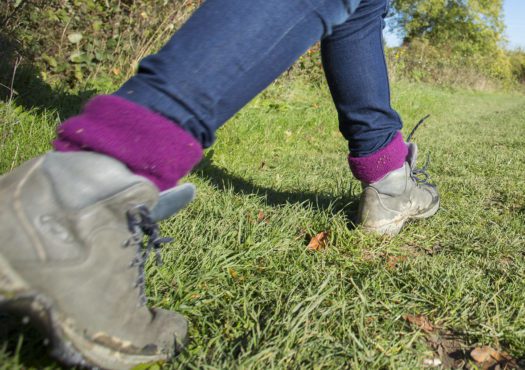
[{"x": 255, "y": 296}]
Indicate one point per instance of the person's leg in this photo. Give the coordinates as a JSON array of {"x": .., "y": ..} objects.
[
  {"x": 67, "y": 217},
  {"x": 219, "y": 60},
  {"x": 355, "y": 67}
]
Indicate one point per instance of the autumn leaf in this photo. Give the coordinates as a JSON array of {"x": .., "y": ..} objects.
[
  {"x": 234, "y": 274},
  {"x": 319, "y": 241},
  {"x": 488, "y": 354},
  {"x": 393, "y": 261},
  {"x": 260, "y": 216},
  {"x": 421, "y": 321}
]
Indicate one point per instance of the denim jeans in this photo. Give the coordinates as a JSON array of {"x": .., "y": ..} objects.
[{"x": 230, "y": 50}]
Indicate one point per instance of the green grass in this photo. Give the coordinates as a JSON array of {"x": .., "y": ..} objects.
[{"x": 257, "y": 298}]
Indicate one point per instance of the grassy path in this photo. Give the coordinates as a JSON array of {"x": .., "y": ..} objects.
[{"x": 256, "y": 298}]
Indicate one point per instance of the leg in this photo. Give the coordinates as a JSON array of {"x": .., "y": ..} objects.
[
  {"x": 210, "y": 69},
  {"x": 356, "y": 71}
]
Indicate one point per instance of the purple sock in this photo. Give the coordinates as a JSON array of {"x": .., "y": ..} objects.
[
  {"x": 148, "y": 143},
  {"x": 374, "y": 167}
]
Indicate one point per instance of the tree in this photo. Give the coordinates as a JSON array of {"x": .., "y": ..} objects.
[{"x": 473, "y": 25}]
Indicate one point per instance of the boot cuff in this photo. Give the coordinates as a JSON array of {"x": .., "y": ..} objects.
[
  {"x": 374, "y": 167},
  {"x": 148, "y": 143}
]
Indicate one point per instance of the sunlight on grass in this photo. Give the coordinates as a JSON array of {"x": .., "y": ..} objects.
[{"x": 257, "y": 298}]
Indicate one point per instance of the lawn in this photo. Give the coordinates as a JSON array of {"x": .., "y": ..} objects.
[{"x": 256, "y": 297}]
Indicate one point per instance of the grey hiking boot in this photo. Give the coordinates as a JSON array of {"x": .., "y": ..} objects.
[
  {"x": 387, "y": 204},
  {"x": 71, "y": 240}
]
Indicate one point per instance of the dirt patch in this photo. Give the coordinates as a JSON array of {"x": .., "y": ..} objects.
[{"x": 455, "y": 353}]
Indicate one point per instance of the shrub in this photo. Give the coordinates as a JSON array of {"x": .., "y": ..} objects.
[
  {"x": 451, "y": 65},
  {"x": 75, "y": 40}
]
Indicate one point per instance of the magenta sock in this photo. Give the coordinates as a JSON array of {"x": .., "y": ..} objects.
[
  {"x": 374, "y": 167},
  {"x": 148, "y": 143}
]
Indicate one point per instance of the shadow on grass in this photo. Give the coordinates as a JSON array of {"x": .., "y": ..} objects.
[
  {"x": 24, "y": 345},
  {"x": 21, "y": 82},
  {"x": 223, "y": 180}
]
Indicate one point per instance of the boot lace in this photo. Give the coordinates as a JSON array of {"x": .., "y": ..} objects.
[
  {"x": 141, "y": 224},
  {"x": 420, "y": 175}
]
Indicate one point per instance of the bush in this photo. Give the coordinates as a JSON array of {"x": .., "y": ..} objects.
[
  {"x": 451, "y": 65},
  {"x": 517, "y": 62},
  {"x": 75, "y": 40}
]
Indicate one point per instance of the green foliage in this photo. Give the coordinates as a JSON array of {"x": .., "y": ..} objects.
[
  {"x": 517, "y": 62},
  {"x": 74, "y": 40},
  {"x": 469, "y": 26},
  {"x": 421, "y": 61},
  {"x": 458, "y": 42}
]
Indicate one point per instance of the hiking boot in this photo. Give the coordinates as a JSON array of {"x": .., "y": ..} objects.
[
  {"x": 387, "y": 204},
  {"x": 72, "y": 227}
]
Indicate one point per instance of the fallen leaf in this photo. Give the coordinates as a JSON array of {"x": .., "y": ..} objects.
[
  {"x": 260, "y": 216},
  {"x": 318, "y": 242},
  {"x": 421, "y": 321},
  {"x": 486, "y": 353},
  {"x": 393, "y": 261},
  {"x": 234, "y": 274},
  {"x": 116, "y": 71}
]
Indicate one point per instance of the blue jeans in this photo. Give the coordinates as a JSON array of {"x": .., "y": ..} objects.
[{"x": 230, "y": 50}]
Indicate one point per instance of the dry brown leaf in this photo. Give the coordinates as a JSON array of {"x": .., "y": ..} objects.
[
  {"x": 487, "y": 353},
  {"x": 393, "y": 261},
  {"x": 234, "y": 274},
  {"x": 421, "y": 321},
  {"x": 260, "y": 216},
  {"x": 319, "y": 241}
]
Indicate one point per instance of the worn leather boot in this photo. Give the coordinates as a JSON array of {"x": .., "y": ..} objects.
[
  {"x": 387, "y": 204},
  {"x": 72, "y": 258}
]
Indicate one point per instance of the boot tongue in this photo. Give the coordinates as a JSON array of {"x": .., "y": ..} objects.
[
  {"x": 171, "y": 201},
  {"x": 412, "y": 155}
]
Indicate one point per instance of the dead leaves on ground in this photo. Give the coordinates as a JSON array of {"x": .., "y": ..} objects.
[
  {"x": 453, "y": 353},
  {"x": 261, "y": 217},
  {"x": 318, "y": 242},
  {"x": 392, "y": 262},
  {"x": 421, "y": 321},
  {"x": 488, "y": 358}
]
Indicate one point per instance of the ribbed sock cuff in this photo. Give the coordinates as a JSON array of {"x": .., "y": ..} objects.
[
  {"x": 374, "y": 167},
  {"x": 148, "y": 143}
]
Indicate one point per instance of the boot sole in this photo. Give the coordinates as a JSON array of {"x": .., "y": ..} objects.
[
  {"x": 67, "y": 345},
  {"x": 394, "y": 227}
]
